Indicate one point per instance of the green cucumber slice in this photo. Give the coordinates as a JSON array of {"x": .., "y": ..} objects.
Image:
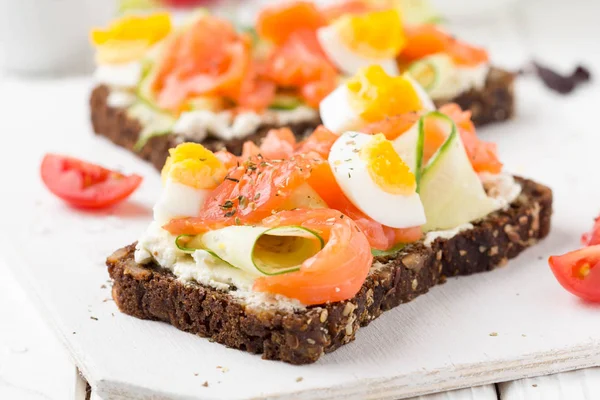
[
  {"x": 208, "y": 103},
  {"x": 190, "y": 243},
  {"x": 409, "y": 147},
  {"x": 126, "y": 6},
  {"x": 418, "y": 12},
  {"x": 286, "y": 102},
  {"x": 257, "y": 250},
  {"x": 282, "y": 250},
  {"x": 432, "y": 71},
  {"x": 392, "y": 251},
  {"x": 410, "y": 144},
  {"x": 154, "y": 122},
  {"x": 451, "y": 192},
  {"x": 144, "y": 92},
  {"x": 425, "y": 72}
]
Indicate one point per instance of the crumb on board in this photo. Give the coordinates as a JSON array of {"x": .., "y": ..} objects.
[
  {"x": 103, "y": 287},
  {"x": 534, "y": 385},
  {"x": 94, "y": 318},
  {"x": 205, "y": 384},
  {"x": 299, "y": 379},
  {"x": 524, "y": 335},
  {"x": 195, "y": 374},
  {"x": 494, "y": 334},
  {"x": 223, "y": 369}
]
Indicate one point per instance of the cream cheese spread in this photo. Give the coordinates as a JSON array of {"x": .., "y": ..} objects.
[
  {"x": 120, "y": 99},
  {"x": 201, "y": 267},
  {"x": 120, "y": 76},
  {"x": 459, "y": 80},
  {"x": 199, "y": 124}
]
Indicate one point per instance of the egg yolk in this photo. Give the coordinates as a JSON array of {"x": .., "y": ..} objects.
[
  {"x": 377, "y": 34},
  {"x": 127, "y": 39},
  {"x": 386, "y": 168},
  {"x": 191, "y": 164},
  {"x": 375, "y": 95}
]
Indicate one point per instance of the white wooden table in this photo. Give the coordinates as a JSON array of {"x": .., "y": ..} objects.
[{"x": 33, "y": 364}]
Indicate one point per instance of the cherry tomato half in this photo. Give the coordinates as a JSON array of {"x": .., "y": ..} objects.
[
  {"x": 592, "y": 237},
  {"x": 579, "y": 272},
  {"x": 86, "y": 185}
]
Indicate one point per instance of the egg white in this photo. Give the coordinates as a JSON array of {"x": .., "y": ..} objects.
[
  {"x": 346, "y": 59},
  {"x": 352, "y": 175},
  {"x": 338, "y": 115},
  {"x": 336, "y": 112},
  {"x": 178, "y": 200}
]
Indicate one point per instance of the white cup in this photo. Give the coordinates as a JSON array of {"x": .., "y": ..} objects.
[{"x": 50, "y": 36}]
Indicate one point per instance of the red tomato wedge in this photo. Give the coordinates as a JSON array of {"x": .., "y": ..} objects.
[
  {"x": 380, "y": 237},
  {"x": 277, "y": 23},
  {"x": 424, "y": 40},
  {"x": 335, "y": 273},
  {"x": 579, "y": 272},
  {"x": 300, "y": 63},
  {"x": 209, "y": 58},
  {"x": 248, "y": 194},
  {"x": 593, "y": 237},
  {"x": 86, "y": 185}
]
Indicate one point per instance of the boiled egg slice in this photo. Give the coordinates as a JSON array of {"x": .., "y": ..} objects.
[
  {"x": 355, "y": 41},
  {"x": 376, "y": 180},
  {"x": 190, "y": 174},
  {"x": 370, "y": 96}
]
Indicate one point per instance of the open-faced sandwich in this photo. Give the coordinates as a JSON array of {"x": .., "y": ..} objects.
[
  {"x": 288, "y": 249},
  {"x": 210, "y": 82}
]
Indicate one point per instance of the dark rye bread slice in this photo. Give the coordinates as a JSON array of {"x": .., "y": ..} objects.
[
  {"x": 116, "y": 125},
  {"x": 495, "y": 102},
  {"x": 301, "y": 337}
]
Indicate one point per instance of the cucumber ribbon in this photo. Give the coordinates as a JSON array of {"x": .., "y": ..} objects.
[
  {"x": 410, "y": 145},
  {"x": 257, "y": 250}
]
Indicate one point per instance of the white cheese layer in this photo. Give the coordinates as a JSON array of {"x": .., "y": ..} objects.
[
  {"x": 120, "y": 76},
  {"x": 431, "y": 237},
  {"x": 120, "y": 99},
  {"x": 199, "y": 124},
  {"x": 201, "y": 267},
  {"x": 501, "y": 187},
  {"x": 459, "y": 80}
]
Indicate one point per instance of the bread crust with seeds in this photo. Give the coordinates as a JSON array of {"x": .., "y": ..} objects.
[
  {"x": 494, "y": 103},
  {"x": 301, "y": 337}
]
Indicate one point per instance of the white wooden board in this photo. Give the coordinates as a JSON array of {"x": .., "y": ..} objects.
[
  {"x": 439, "y": 342},
  {"x": 32, "y": 365}
]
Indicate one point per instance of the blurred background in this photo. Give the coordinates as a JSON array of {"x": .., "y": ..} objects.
[{"x": 50, "y": 37}]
